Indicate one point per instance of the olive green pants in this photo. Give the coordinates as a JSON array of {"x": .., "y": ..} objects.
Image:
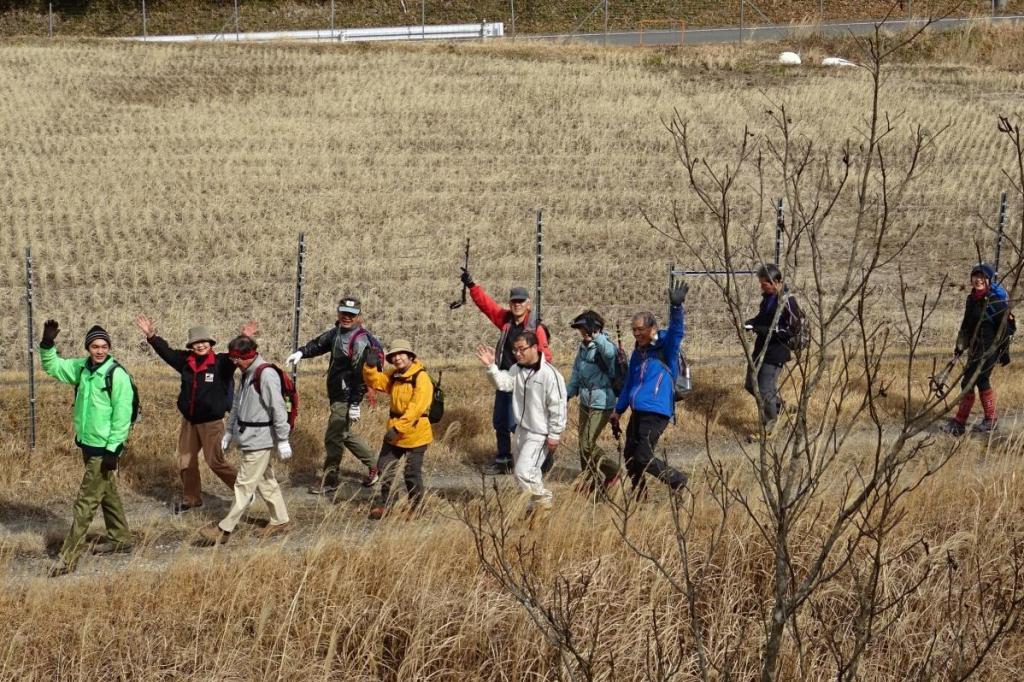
[
  {"x": 340, "y": 436},
  {"x": 99, "y": 489},
  {"x": 593, "y": 460}
]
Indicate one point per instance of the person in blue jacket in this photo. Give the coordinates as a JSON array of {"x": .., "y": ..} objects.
[
  {"x": 593, "y": 373},
  {"x": 650, "y": 392}
]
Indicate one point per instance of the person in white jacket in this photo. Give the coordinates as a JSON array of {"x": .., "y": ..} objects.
[{"x": 539, "y": 404}]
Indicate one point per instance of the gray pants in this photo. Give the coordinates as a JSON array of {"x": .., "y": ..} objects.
[
  {"x": 766, "y": 384},
  {"x": 413, "y": 473}
]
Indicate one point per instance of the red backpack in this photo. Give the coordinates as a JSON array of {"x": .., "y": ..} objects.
[{"x": 288, "y": 390}]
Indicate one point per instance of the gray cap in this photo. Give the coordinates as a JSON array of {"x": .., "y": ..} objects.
[
  {"x": 349, "y": 304},
  {"x": 518, "y": 294}
]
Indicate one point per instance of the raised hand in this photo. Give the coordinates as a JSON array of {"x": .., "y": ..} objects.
[
  {"x": 466, "y": 278},
  {"x": 146, "y": 326},
  {"x": 677, "y": 294},
  {"x": 50, "y": 330},
  {"x": 485, "y": 354},
  {"x": 250, "y": 328}
]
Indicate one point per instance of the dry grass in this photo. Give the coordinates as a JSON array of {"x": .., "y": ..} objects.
[{"x": 183, "y": 177}]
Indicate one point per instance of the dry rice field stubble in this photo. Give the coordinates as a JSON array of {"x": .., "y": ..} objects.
[{"x": 174, "y": 180}]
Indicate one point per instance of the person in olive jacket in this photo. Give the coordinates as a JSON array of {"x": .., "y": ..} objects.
[
  {"x": 409, "y": 431},
  {"x": 205, "y": 397},
  {"x": 104, "y": 405}
]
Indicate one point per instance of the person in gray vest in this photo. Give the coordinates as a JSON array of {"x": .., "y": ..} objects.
[{"x": 348, "y": 343}]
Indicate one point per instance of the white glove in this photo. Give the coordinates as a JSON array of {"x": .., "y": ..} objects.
[
  {"x": 284, "y": 450},
  {"x": 293, "y": 359},
  {"x": 225, "y": 442},
  {"x": 354, "y": 413}
]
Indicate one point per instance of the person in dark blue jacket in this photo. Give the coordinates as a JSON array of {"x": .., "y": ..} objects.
[
  {"x": 771, "y": 352},
  {"x": 650, "y": 392},
  {"x": 984, "y": 334}
]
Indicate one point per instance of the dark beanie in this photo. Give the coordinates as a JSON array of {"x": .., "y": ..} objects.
[{"x": 96, "y": 332}]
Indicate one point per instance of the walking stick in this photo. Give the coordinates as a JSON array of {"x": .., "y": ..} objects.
[
  {"x": 465, "y": 266},
  {"x": 937, "y": 381}
]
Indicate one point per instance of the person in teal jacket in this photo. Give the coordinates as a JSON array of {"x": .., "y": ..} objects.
[
  {"x": 102, "y": 416},
  {"x": 593, "y": 372}
]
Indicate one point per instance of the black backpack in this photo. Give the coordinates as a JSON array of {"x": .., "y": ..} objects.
[
  {"x": 619, "y": 370},
  {"x": 795, "y": 323},
  {"x": 435, "y": 412},
  {"x": 108, "y": 386}
]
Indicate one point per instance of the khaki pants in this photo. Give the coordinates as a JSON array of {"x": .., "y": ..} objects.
[
  {"x": 255, "y": 475},
  {"x": 593, "y": 461},
  {"x": 339, "y": 436},
  {"x": 98, "y": 489},
  {"x": 206, "y": 437},
  {"x": 529, "y": 451}
]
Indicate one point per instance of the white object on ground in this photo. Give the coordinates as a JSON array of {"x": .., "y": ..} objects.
[
  {"x": 789, "y": 59},
  {"x": 836, "y": 61}
]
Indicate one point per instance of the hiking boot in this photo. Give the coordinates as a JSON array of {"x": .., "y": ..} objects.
[
  {"x": 378, "y": 513},
  {"x": 585, "y": 487},
  {"x": 270, "y": 530},
  {"x": 111, "y": 547},
  {"x": 679, "y": 483},
  {"x": 986, "y": 426},
  {"x": 324, "y": 487},
  {"x": 213, "y": 535},
  {"x": 182, "y": 507},
  {"x": 372, "y": 476},
  {"x": 497, "y": 468},
  {"x": 60, "y": 568},
  {"x": 953, "y": 428}
]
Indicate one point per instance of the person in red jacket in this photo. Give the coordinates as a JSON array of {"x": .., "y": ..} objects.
[
  {"x": 512, "y": 321},
  {"x": 205, "y": 397}
]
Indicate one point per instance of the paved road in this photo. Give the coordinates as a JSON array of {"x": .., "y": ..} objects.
[{"x": 731, "y": 34}]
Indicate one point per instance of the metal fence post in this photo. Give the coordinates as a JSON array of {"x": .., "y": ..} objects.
[
  {"x": 144, "y": 34},
  {"x": 300, "y": 260},
  {"x": 742, "y": 3},
  {"x": 780, "y": 225},
  {"x": 423, "y": 19},
  {"x": 332, "y": 17},
  {"x": 49, "y": 16},
  {"x": 29, "y": 300},
  {"x": 236, "y": 21},
  {"x": 605, "y": 42},
  {"x": 513, "y": 4},
  {"x": 540, "y": 263}
]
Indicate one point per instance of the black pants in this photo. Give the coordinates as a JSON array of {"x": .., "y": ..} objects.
[
  {"x": 986, "y": 362},
  {"x": 642, "y": 435},
  {"x": 413, "y": 474}
]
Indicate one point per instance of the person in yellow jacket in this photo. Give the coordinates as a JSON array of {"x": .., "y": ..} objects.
[{"x": 409, "y": 431}]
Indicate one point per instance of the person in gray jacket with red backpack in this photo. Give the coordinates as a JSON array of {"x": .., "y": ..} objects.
[{"x": 259, "y": 426}]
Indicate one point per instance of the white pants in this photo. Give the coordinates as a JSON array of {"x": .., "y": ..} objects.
[
  {"x": 528, "y": 451},
  {"x": 255, "y": 475}
]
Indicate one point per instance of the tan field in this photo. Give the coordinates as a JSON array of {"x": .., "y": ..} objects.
[{"x": 174, "y": 181}]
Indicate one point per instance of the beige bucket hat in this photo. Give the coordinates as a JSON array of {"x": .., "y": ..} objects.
[
  {"x": 400, "y": 346},
  {"x": 199, "y": 333}
]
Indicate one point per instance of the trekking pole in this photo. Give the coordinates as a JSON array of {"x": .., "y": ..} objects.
[
  {"x": 540, "y": 262},
  {"x": 465, "y": 266},
  {"x": 300, "y": 261},
  {"x": 29, "y": 300},
  {"x": 780, "y": 226},
  {"x": 937, "y": 382},
  {"x": 999, "y": 233}
]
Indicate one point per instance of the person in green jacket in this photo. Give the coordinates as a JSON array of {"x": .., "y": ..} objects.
[{"x": 103, "y": 416}]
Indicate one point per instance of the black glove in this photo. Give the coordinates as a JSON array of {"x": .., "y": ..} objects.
[
  {"x": 1004, "y": 357},
  {"x": 467, "y": 279},
  {"x": 958, "y": 351},
  {"x": 372, "y": 358},
  {"x": 677, "y": 294},
  {"x": 391, "y": 436},
  {"x": 616, "y": 431},
  {"x": 109, "y": 462},
  {"x": 50, "y": 330}
]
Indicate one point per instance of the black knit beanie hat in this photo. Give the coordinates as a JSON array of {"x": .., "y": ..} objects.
[{"x": 96, "y": 332}]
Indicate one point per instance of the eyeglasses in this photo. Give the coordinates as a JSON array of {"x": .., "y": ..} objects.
[{"x": 519, "y": 350}]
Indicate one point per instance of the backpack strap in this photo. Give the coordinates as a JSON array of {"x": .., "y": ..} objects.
[
  {"x": 256, "y": 387},
  {"x": 108, "y": 380}
]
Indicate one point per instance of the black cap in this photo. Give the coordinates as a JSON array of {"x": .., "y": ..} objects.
[
  {"x": 518, "y": 294},
  {"x": 349, "y": 304}
]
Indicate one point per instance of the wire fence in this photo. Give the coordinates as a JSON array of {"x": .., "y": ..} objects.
[{"x": 160, "y": 17}]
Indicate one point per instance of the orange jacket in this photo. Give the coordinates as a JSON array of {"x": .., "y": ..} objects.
[{"x": 411, "y": 394}]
